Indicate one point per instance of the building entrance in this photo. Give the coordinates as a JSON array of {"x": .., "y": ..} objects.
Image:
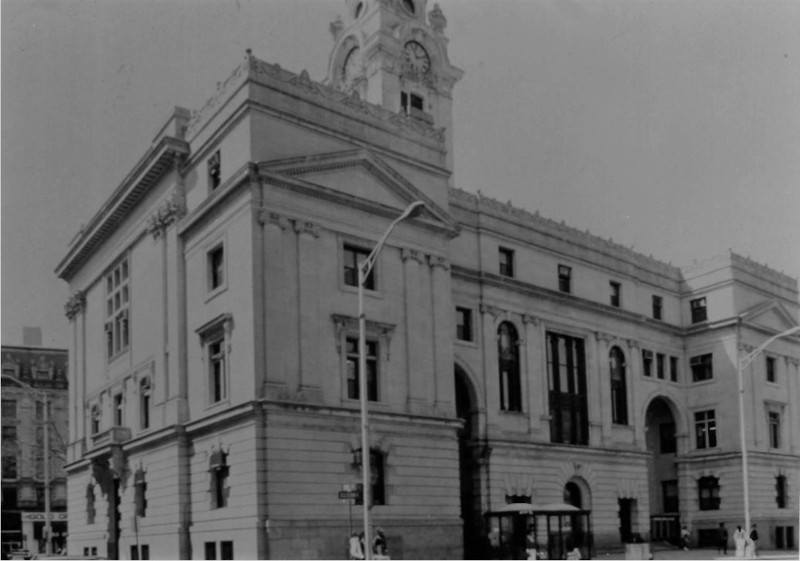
[
  {"x": 467, "y": 410},
  {"x": 662, "y": 472}
]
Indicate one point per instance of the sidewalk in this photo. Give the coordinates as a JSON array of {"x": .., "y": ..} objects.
[{"x": 662, "y": 553}]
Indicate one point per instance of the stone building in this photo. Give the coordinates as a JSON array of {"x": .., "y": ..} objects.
[
  {"x": 29, "y": 372},
  {"x": 214, "y": 403}
]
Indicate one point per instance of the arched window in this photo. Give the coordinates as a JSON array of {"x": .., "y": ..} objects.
[
  {"x": 145, "y": 399},
  {"x": 619, "y": 402},
  {"x": 572, "y": 494},
  {"x": 508, "y": 362}
]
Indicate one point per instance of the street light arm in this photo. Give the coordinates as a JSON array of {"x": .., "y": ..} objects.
[
  {"x": 412, "y": 210},
  {"x": 750, "y": 357}
]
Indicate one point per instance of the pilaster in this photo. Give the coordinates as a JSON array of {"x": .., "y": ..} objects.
[
  {"x": 634, "y": 374},
  {"x": 442, "y": 334},
  {"x": 279, "y": 307},
  {"x": 419, "y": 350},
  {"x": 308, "y": 307},
  {"x": 602, "y": 347}
]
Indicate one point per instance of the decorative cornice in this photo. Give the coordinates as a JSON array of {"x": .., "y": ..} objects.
[
  {"x": 75, "y": 305},
  {"x": 482, "y": 204},
  {"x": 344, "y": 323},
  {"x": 168, "y": 213},
  {"x": 305, "y": 227},
  {"x": 439, "y": 261},
  {"x": 417, "y": 256}
]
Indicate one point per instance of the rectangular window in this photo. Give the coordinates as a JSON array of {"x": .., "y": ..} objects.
[
  {"x": 780, "y": 491},
  {"x": 145, "y": 399},
  {"x": 214, "y": 170},
  {"x": 145, "y": 552},
  {"x": 9, "y": 409},
  {"x": 565, "y": 278},
  {"x": 217, "y": 381},
  {"x": 771, "y": 373},
  {"x": 216, "y": 268},
  {"x": 211, "y": 550},
  {"x": 774, "y": 429},
  {"x": 463, "y": 324},
  {"x": 616, "y": 293},
  {"x": 219, "y": 471},
  {"x": 9, "y": 498},
  {"x": 119, "y": 410},
  {"x": 9, "y": 435},
  {"x": 647, "y": 362},
  {"x": 708, "y": 490},
  {"x": 660, "y": 366},
  {"x": 705, "y": 426},
  {"x": 699, "y": 313},
  {"x": 353, "y": 388},
  {"x": 353, "y": 256},
  {"x": 673, "y": 368},
  {"x": 701, "y": 367},
  {"x": 506, "y": 257},
  {"x": 117, "y": 309},
  {"x": 409, "y": 101},
  {"x": 658, "y": 306},
  {"x": 226, "y": 550},
  {"x": 566, "y": 371},
  {"x": 377, "y": 468},
  {"x": 669, "y": 492},
  {"x": 134, "y": 552}
]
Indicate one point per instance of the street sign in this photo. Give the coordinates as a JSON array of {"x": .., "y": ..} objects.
[{"x": 349, "y": 495}]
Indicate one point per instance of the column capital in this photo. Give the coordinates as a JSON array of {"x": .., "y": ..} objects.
[
  {"x": 75, "y": 305},
  {"x": 530, "y": 318},
  {"x": 417, "y": 256},
  {"x": 438, "y": 261},
  {"x": 602, "y": 336},
  {"x": 633, "y": 344},
  {"x": 305, "y": 227},
  {"x": 169, "y": 212},
  {"x": 275, "y": 219},
  {"x": 494, "y": 311}
]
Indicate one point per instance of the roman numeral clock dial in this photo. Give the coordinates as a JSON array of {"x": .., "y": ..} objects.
[{"x": 417, "y": 57}]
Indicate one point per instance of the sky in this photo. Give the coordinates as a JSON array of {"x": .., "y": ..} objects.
[{"x": 669, "y": 126}]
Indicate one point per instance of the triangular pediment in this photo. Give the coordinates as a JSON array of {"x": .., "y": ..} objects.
[
  {"x": 769, "y": 315},
  {"x": 359, "y": 175}
]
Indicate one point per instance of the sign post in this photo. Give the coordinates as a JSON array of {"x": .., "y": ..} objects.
[{"x": 349, "y": 493}]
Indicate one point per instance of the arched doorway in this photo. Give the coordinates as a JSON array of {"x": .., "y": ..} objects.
[
  {"x": 661, "y": 442},
  {"x": 467, "y": 410}
]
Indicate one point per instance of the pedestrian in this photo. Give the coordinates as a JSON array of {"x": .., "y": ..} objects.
[
  {"x": 722, "y": 539},
  {"x": 530, "y": 543},
  {"x": 355, "y": 547},
  {"x": 754, "y": 541},
  {"x": 739, "y": 539},
  {"x": 379, "y": 544},
  {"x": 685, "y": 538}
]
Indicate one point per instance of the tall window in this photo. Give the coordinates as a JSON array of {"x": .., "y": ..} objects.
[
  {"x": 508, "y": 366},
  {"x": 353, "y": 387},
  {"x": 214, "y": 170},
  {"x": 701, "y": 367},
  {"x": 140, "y": 493},
  {"x": 352, "y": 257},
  {"x": 771, "y": 373},
  {"x": 705, "y": 426},
  {"x": 658, "y": 306},
  {"x": 699, "y": 313},
  {"x": 216, "y": 268},
  {"x": 217, "y": 380},
  {"x": 506, "y": 261},
  {"x": 10, "y": 465},
  {"x": 9, "y": 409},
  {"x": 673, "y": 368},
  {"x": 411, "y": 100},
  {"x": 377, "y": 471},
  {"x": 669, "y": 493},
  {"x": 145, "y": 400},
  {"x": 218, "y": 470},
  {"x": 647, "y": 362},
  {"x": 616, "y": 293},
  {"x": 668, "y": 444},
  {"x": 774, "y": 419},
  {"x": 780, "y": 491},
  {"x": 463, "y": 324},
  {"x": 565, "y": 278},
  {"x": 660, "y": 366},
  {"x": 90, "y": 510},
  {"x": 117, "y": 308},
  {"x": 619, "y": 401},
  {"x": 566, "y": 372},
  {"x": 119, "y": 410},
  {"x": 95, "y": 419},
  {"x": 708, "y": 491}
]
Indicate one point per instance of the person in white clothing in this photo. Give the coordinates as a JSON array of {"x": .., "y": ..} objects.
[
  {"x": 355, "y": 547},
  {"x": 739, "y": 539}
]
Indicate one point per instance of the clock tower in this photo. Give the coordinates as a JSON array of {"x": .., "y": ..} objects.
[{"x": 393, "y": 53}]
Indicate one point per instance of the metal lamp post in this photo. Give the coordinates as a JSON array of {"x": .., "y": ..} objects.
[
  {"x": 742, "y": 363},
  {"x": 364, "y": 268},
  {"x": 43, "y": 396}
]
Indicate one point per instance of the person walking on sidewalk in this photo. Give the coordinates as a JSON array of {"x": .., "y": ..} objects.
[
  {"x": 722, "y": 539},
  {"x": 739, "y": 539},
  {"x": 753, "y": 543}
]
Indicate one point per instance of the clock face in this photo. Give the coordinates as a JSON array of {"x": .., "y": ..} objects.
[
  {"x": 352, "y": 66},
  {"x": 417, "y": 57}
]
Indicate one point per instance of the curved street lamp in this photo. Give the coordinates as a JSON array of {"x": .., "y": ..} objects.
[
  {"x": 742, "y": 363},
  {"x": 364, "y": 268},
  {"x": 41, "y": 394}
]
